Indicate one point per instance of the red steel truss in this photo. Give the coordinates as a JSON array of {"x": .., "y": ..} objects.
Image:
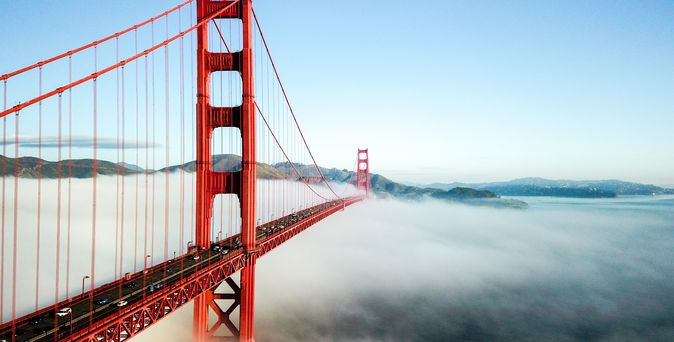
[
  {"x": 199, "y": 281},
  {"x": 201, "y": 284}
]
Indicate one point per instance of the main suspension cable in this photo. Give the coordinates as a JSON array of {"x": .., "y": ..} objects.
[{"x": 292, "y": 112}]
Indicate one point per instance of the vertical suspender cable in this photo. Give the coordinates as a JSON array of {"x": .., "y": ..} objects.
[
  {"x": 168, "y": 127},
  {"x": 193, "y": 121},
  {"x": 154, "y": 149},
  {"x": 58, "y": 203},
  {"x": 301, "y": 135},
  {"x": 39, "y": 193},
  {"x": 136, "y": 173},
  {"x": 70, "y": 171},
  {"x": 222, "y": 135},
  {"x": 122, "y": 224},
  {"x": 118, "y": 165},
  {"x": 58, "y": 217},
  {"x": 230, "y": 199},
  {"x": 4, "y": 178},
  {"x": 147, "y": 160},
  {"x": 92, "y": 279},
  {"x": 267, "y": 104},
  {"x": 122, "y": 167},
  {"x": 16, "y": 220},
  {"x": 182, "y": 132}
]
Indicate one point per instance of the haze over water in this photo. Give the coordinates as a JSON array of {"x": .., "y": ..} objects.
[{"x": 563, "y": 270}]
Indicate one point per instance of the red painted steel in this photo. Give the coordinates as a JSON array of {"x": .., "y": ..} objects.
[
  {"x": 292, "y": 165},
  {"x": 92, "y": 44},
  {"x": 139, "y": 316},
  {"x": 285, "y": 97},
  {"x": 210, "y": 183},
  {"x": 222, "y": 12},
  {"x": 249, "y": 171},
  {"x": 200, "y": 285},
  {"x": 136, "y": 317},
  {"x": 363, "y": 171},
  {"x": 273, "y": 241}
]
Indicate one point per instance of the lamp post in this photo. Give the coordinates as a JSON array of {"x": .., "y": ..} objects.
[
  {"x": 145, "y": 266},
  {"x": 83, "y": 279}
]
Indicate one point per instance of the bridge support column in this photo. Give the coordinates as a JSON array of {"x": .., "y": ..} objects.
[
  {"x": 363, "y": 171},
  {"x": 247, "y": 316},
  {"x": 243, "y": 182},
  {"x": 208, "y": 303}
]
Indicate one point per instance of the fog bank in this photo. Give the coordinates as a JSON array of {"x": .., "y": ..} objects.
[{"x": 397, "y": 271}]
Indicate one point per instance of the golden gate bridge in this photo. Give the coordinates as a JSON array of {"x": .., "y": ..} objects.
[{"x": 153, "y": 165}]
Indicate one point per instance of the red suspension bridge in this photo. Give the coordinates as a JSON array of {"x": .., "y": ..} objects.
[{"x": 145, "y": 169}]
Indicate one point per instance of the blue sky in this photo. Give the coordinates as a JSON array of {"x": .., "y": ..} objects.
[{"x": 445, "y": 90}]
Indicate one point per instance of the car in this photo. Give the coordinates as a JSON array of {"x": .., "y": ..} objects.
[
  {"x": 194, "y": 256},
  {"x": 130, "y": 284},
  {"x": 122, "y": 303},
  {"x": 63, "y": 312},
  {"x": 215, "y": 247},
  {"x": 102, "y": 301},
  {"x": 155, "y": 287},
  {"x": 36, "y": 320}
]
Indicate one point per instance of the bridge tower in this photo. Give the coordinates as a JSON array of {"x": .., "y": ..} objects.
[
  {"x": 240, "y": 183},
  {"x": 363, "y": 171}
]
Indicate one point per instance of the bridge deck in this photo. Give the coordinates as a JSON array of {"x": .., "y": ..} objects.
[{"x": 152, "y": 294}]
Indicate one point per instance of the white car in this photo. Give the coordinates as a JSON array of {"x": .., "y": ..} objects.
[
  {"x": 122, "y": 303},
  {"x": 63, "y": 312}
]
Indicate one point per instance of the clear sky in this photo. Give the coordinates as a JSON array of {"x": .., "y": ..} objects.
[{"x": 442, "y": 90}]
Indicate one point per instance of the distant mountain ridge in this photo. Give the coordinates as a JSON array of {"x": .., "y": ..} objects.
[
  {"x": 534, "y": 186},
  {"x": 83, "y": 168}
]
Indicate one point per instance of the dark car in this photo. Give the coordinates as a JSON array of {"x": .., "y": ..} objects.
[
  {"x": 215, "y": 247},
  {"x": 36, "y": 320},
  {"x": 18, "y": 333},
  {"x": 130, "y": 284},
  {"x": 155, "y": 287},
  {"x": 102, "y": 301}
]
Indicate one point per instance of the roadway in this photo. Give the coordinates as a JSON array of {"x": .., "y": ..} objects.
[{"x": 104, "y": 301}]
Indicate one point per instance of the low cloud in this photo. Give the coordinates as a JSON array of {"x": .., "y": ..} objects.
[
  {"x": 400, "y": 271},
  {"x": 79, "y": 142},
  {"x": 388, "y": 270}
]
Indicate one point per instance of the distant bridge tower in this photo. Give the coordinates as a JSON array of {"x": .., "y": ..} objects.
[
  {"x": 363, "y": 171},
  {"x": 240, "y": 183}
]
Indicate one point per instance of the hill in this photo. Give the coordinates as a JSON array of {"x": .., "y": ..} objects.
[
  {"x": 534, "y": 186},
  {"x": 382, "y": 186}
]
